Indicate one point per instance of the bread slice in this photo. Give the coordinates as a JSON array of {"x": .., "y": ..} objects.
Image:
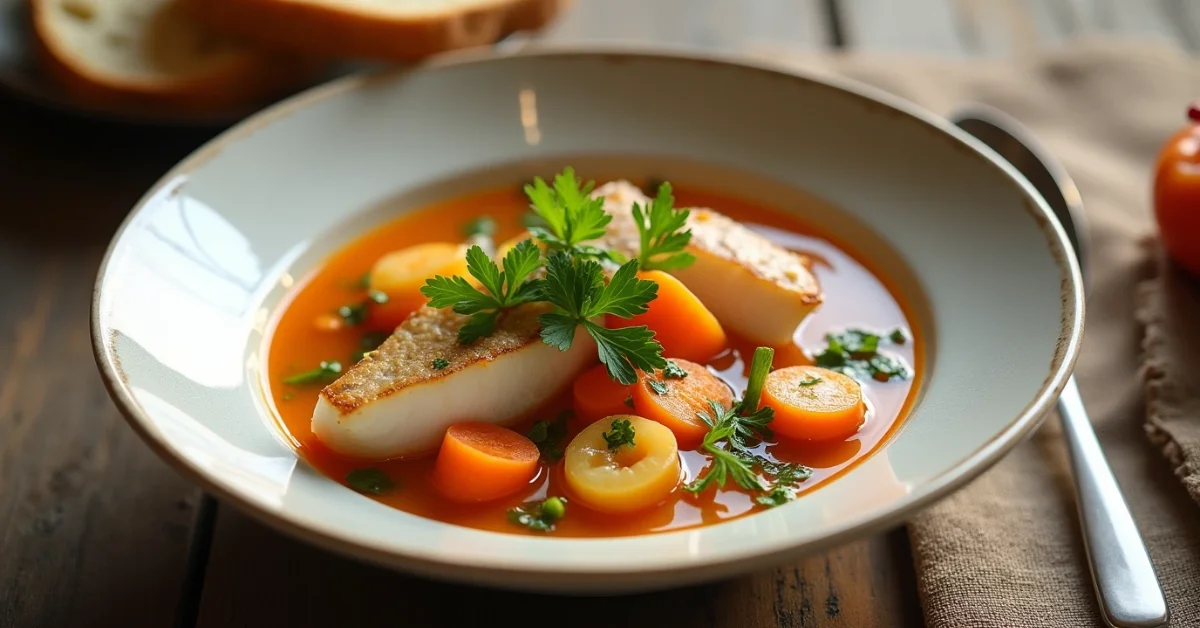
[
  {"x": 384, "y": 30},
  {"x": 155, "y": 53}
]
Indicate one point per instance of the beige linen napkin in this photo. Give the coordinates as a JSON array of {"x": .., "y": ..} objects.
[
  {"x": 1169, "y": 307},
  {"x": 1006, "y": 550}
]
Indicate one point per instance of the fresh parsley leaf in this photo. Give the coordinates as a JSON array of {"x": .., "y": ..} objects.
[
  {"x": 624, "y": 351},
  {"x": 810, "y": 381},
  {"x": 539, "y": 515},
  {"x": 484, "y": 226},
  {"x": 786, "y": 476},
  {"x": 856, "y": 353},
  {"x": 440, "y": 363},
  {"x": 898, "y": 336},
  {"x": 549, "y": 435},
  {"x": 577, "y": 290},
  {"x": 674, "y": 371},
  {"x": 661, "y": 230},
  {"x": 508, "y": 288},
  {"x": 622, "y": 434},
  {"x": 570, "y": 214},
  {"x": 326, "y": 372},
  {"x": 732, "y": 432},
  {"x": 480, "y": 325},
  {"x": 371, "y": 481},
  {"x": 657, "y": 386}
]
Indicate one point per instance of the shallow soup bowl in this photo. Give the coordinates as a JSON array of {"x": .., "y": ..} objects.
[{"x": 200, "y": 268}]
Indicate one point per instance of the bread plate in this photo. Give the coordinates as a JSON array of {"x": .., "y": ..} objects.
[{"x": 193, "y": 280}]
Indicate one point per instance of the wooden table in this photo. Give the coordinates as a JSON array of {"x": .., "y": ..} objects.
[{"x": 96, "y": 531}]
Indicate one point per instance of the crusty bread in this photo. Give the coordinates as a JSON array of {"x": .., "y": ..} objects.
[
  {"x": 385, "y": 30},
  {"x": 154, "y": 53}
]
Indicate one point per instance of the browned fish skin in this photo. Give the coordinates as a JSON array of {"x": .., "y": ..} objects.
[{"x": 406, "y": 357}]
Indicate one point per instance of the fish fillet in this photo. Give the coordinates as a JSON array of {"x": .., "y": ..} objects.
[
  {"x": 755, "y": 288},
  {"x": 395, "y": 403}
]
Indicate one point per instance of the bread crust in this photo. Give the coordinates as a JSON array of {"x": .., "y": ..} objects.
[
  {"x": 245, "y": 80},
  {"x": 320, "y": 28}
]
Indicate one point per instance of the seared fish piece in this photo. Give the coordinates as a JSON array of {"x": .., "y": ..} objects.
[
  {"x": 395, "y": 402},
  {"x": 756, "y": 288}
]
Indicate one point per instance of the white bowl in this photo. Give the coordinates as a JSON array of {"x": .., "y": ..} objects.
[{"x": 196, "y": 271}]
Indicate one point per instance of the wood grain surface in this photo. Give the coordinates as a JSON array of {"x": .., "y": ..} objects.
[{"x": 96, "y": 531}]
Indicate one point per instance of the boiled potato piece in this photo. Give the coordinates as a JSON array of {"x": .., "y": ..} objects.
[
  {"x": 400, "y": 275},
  {"x": 627, "y": 478}
]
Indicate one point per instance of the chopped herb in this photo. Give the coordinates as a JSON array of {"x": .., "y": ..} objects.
[
  {"x": 353, "y": 314},
  {"x": 658, "y": 387},
  {"x": 502, "y": 288},
  {"x": 549, "y": 435},
  {"x": 571, "y": 215},
  {"x": 622, "y": 434},
  {"x": 539, "y": 515},
  {"x": 674, "y": 371},
  {"x": 326, "y": 372},
  {"x": 661, "y": 230},
  {"x": 898, "y": 336},
  {"x": 288, "y": 397},
  {"x": 371, "y": 481},
  {"x": 786, "y": 476},
  {"x": 629, "y": 400},
  {"x": 856, "y": 353},
  {"x": 363, "y": 282},
  {"x": 484, "y": 226},
  {"x": 440, "y": 363},
  {"x": 579, "y": 292},
  {"x": 810, "y": 381},
  {"x": 732, "y": 431}
]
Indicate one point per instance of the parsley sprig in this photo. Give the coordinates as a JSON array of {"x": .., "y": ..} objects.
[
  {"x": 570, "y": 216},
  {"x": 568, "y": 220},
  {"x": 622, "y": 434},
  {"x": 661, "y": 230},
  {"x": 577, "y": 290},
  {"x": 501, "y": 288},
  {"x": 732, "y": 436}
]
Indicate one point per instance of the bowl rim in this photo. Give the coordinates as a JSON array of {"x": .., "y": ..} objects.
[{"x": 467, "y": 569}]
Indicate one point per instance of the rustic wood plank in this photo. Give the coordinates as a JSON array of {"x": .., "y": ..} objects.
[
  {"x": 704, "y": 24},
  {"x": 257, "y": 577},
  {"x": 94, "y": 529}
]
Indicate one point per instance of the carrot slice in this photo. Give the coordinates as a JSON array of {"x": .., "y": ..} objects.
[
  {"x": 400, "y": 275},
  {"x": 482, "y": 461},
  {"x": 812, "y": 403},
  {"x": 681, "y": 323},
  {"x": 597, "y": 395},
  {"x": 674, "y": 402}
]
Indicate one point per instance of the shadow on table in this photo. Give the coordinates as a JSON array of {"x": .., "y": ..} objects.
[{"x": 69, "y": 181}]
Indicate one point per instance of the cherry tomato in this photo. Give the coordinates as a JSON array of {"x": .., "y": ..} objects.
[{"x": 1177, "y": 194}]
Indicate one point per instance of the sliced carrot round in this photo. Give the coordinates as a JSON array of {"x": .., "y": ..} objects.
[
  {"x": 597, "y": 395},
  {"x": 812, "y": 403},
  {"x": 400, "y": 275},
  {"x": 681, "y": 323},
  {"x": 482, "y": 461},
  {"x": 675, "y": 402}
]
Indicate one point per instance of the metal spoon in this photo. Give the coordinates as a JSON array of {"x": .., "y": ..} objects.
[{"x": 1125, "y": 580}]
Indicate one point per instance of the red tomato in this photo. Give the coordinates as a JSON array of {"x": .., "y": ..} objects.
[{"x": 1177, "y": 194}]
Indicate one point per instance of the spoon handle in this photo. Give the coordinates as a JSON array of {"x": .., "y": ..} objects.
[{"x": 1130, "y": 596}]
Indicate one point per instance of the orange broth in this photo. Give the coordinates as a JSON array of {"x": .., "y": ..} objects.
[{"x": 854, "y": 298}]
